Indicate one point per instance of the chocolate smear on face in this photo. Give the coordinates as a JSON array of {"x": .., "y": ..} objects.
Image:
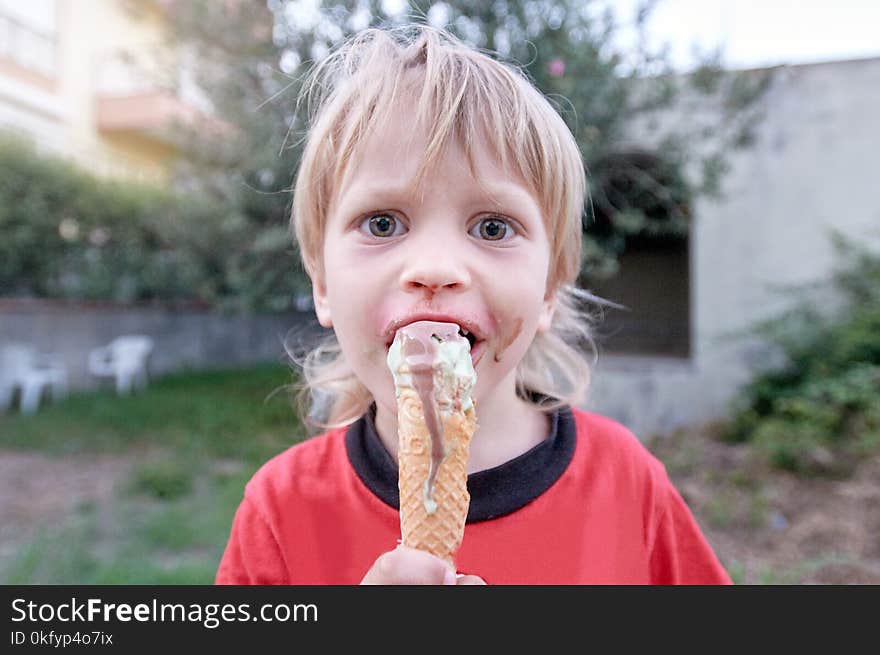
[{"x": 508, "y": 340}]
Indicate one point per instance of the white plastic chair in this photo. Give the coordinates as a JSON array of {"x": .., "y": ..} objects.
[
  {"x": 23, "y": 368},
  {"x": 125, "y": 360}
]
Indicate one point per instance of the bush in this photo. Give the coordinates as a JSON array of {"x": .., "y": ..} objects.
[
  {"x": 821, "y": 413},
  {"x": 67, "y": 234}
]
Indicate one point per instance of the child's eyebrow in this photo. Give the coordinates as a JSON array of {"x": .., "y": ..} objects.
[{"x": 505, "y": 194}]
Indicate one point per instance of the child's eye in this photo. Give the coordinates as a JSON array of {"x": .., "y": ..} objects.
[
  {"x": 381, "y": 225},
  {"x": 493, "y": 229}
]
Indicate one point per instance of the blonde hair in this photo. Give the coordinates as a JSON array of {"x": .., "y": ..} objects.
[{"x": 469, "y": 95}]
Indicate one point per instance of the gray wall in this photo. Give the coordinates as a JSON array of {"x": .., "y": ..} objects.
[
  {"x": 815, "y": 165},
  {"x": 185, "y": 337}
]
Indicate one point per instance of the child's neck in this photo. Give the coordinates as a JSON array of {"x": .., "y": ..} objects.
[{"x": 507, "y": 428}]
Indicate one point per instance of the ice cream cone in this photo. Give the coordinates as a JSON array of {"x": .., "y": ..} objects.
[
  {"x": 439, "y": 532},
  {"x": 436, "y": 419}
]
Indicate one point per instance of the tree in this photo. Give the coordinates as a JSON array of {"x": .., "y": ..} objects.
[{"x": 250, "y": 59}]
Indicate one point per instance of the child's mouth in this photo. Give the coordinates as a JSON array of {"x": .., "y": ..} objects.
[
  {"x": 478, "y": 346},
  {"x": 468, "y": 335},
  {"x": 477, "y": 350}
]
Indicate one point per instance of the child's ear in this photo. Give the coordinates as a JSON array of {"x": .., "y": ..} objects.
[
  {"x": 545, "y": 320},
  {"x": 322, "y": 306}
]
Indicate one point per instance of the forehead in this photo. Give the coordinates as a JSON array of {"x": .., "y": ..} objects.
[{"x": 393, "y": 153}]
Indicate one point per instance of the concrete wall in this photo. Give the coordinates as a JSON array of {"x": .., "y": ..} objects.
[
  {"x": 185, "y": 337},
  {"x": 815, "y": 166}
]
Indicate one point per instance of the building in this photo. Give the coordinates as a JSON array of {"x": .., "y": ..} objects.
[
  {"x": 813, "y": 167},
  {"x": 94, "y": 81}
]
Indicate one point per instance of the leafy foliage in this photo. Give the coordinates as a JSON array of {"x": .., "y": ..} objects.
[
  {"x": 821, "y": 412},
  {"x": 70, "y": 235}
]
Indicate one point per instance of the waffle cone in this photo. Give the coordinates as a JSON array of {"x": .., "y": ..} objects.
[{"x": 440, "y": 532}]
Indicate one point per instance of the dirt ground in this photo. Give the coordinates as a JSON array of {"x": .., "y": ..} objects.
[
  {"x": 766, "y": 526},
  {"x": 38, "y": 491},
  {"x": 772, "y": 527}
]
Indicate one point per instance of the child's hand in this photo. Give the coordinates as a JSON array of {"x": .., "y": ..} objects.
[
  {"x": 470, "y": 580},
  {"x": 408, "y": 566}
]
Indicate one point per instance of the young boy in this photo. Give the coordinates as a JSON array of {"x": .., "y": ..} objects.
[{"x": 439, "y": 184}]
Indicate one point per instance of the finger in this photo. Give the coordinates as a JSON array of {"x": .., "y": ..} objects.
[
  {"x": 408, "y": 566},
  {"x": 469, "y": 580}
]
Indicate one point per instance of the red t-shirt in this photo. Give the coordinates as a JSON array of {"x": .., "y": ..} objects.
[{"x": 590, "y": 505}]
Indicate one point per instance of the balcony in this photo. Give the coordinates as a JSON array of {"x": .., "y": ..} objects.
[
  {"x": 145, "y": 113},
  {"x": 129, "y": 99}
]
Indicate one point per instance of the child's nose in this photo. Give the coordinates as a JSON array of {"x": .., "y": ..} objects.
[{"x": 434, "y": 271}]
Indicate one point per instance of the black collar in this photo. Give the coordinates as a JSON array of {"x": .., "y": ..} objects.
[{"x": 494, "y": 492}]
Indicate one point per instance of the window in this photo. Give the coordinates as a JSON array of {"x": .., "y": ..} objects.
[
  {"x": 28, "y": 35},
  {"x": 641, "y": 212}
]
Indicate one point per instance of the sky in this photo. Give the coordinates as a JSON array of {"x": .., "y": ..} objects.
[
  {"x": 753, "y": 33},
  {"x": 756, "y": 33}
]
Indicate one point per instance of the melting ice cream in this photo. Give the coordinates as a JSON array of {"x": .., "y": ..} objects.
[{"x": 433, "y": 359}]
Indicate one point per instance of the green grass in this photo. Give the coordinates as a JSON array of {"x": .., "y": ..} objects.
[
  {"x": 219, "y": 413},
  {"x": 194, "y": 440},
  {"x": 801, "y": 572}
]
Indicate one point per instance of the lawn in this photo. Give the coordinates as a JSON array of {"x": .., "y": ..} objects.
[
  {"x": 182, "y": 452},
  {"x": 142, "y": 490}
]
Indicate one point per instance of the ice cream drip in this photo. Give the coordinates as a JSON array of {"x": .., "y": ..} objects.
[{"x": 434, "y": 359}]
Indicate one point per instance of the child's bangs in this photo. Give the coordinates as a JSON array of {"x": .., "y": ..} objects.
[{"x": 461, "y": 97}]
